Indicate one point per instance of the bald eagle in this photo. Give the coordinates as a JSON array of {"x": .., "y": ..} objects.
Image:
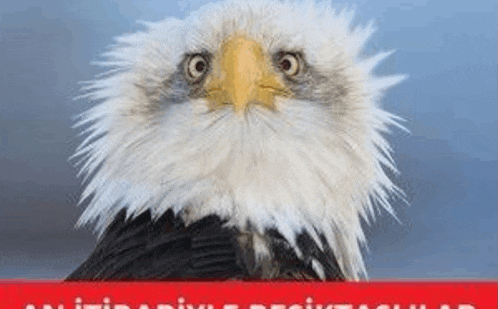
[{"x": 245, "y": 141}]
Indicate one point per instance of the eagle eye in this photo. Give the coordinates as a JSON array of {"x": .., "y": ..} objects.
[
  {"x": 289, "y": 64},
  {"x": 196, "y": 67}
]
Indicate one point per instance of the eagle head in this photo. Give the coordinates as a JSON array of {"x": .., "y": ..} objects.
[{"x": 263, "y": 113}]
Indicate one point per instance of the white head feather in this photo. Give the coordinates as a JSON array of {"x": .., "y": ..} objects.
[{"x": 309, "y": 167}]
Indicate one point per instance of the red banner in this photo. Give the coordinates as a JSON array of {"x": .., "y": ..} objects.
[{"x": 247, "y": 295}]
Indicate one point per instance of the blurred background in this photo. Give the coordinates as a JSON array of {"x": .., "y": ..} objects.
[{"x": 448, "y": 162}]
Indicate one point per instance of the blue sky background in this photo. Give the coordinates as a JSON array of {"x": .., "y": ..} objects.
[{"x": 448, "y": 162}]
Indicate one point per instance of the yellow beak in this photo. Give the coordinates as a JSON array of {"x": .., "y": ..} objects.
[{"x": 241, "y": 76}]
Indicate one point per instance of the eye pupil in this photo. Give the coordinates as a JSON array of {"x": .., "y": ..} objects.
[
  {"x": 196, "y": 67},
  {"x": 199, "y": 66},
  {"x": 286, "y": 65}
]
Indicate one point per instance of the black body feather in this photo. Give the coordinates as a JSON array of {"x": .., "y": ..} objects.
[{"x": 145, "y": 249}]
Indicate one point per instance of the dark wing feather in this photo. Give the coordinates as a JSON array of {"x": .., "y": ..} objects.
[{"x": 145, "y": 249}]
